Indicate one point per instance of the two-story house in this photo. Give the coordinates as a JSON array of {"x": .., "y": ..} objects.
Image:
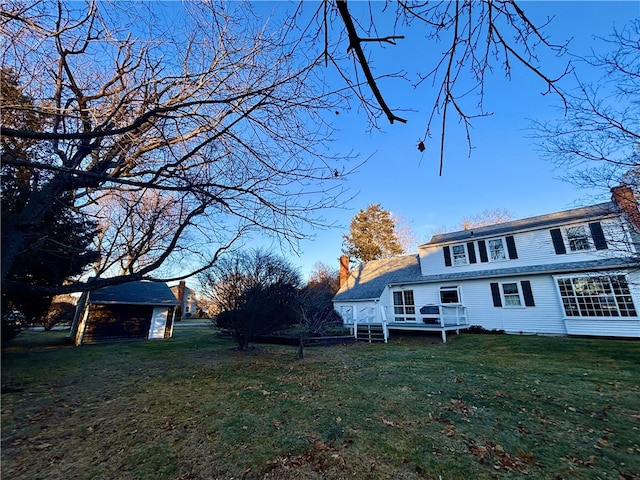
[
  {"x": 187, "y": 299},
  {"x": 574, "y": 272}
]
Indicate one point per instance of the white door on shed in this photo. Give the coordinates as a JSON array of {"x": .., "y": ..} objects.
[{"x": 158, "y": 322}]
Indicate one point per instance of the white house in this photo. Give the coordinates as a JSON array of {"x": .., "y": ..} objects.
[
  {"x": 186, "y": 298},
  {"x": 574, "y": 272}
]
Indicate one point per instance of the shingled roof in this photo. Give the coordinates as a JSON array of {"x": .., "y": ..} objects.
[
  {"x": 556, "y": 268},
  {"x": 541, "y": 221},
  {"x": 134, "y": 293},
  {"x": 368, "y": 280}
]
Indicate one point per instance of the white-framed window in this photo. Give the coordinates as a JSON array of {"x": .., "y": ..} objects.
[
  {"x": 578, "y": 238},
  {"x": 511, "y": 295},
  {"x": 459, "y": 254},
  {"x": 596, "y": 296},
  {"x": 404, "y": 306},
  {"x": 449, "y": 295},
  {"x": 496, "y": 250}
]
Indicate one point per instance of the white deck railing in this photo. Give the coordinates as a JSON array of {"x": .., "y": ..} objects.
[
  {"x": 435, "y": 317},
  {"x": 443, "y": 315}
]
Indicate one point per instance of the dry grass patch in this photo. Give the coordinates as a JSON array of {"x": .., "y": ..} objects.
[{"x": 479, "y": 407}]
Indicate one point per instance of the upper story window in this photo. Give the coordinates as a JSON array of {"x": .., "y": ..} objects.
[
  {"x": 492, "y": 250},
  {"x": 404, "y": 306},
  {"x": 496, "y": 250},
  {"x": 459, "y": 254},
  {"x": 578, "y": 238}
]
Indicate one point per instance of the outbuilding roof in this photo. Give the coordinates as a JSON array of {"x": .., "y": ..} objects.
[
  {"x": 134, "y": 293},
  {"x": 541, "y": 221}
]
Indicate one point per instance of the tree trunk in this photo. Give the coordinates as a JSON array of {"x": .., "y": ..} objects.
[{"x": 300, "y": 354}]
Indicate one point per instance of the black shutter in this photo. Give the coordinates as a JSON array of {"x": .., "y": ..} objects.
[
  {"x": 495, "y": 293},
  {"x": 472, "y": 252},
  {"x": 511, "y": 247},
  {"x": 482, "y": 248},
  {"x": 598, "y": 236},
  {"x": 527, "y": 293},
  {"x": 558, "y": 244},
  {"x": 447, "y": 256}
]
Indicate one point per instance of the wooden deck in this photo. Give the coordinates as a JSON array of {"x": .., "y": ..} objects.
[
  {"x": 430, "y": 318},
  {"x": 380, "y": 331}
]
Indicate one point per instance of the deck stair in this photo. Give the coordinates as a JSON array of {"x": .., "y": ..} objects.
[{"x": 370, "y": 333}]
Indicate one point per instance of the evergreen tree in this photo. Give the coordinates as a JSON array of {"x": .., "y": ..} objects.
[
  {"x": 372, "y": 235},
  {"x": 58, "y": 246}
]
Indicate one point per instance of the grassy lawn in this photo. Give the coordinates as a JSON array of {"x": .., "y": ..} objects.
[{"x": 479, "y": 407}]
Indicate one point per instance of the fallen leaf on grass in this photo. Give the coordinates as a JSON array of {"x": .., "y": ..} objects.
[
  {"x": 581, "y": 463},
  {"x": 388, "y": 423},
  {"x": 501, "y": 459},
  {"x": 449, "y": 430}
]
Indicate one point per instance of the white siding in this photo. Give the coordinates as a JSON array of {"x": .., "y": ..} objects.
[
  {"x": 604, "y": 328},
  {"x": 533, "y": 247},
  {"x": 545, "y": 317}
]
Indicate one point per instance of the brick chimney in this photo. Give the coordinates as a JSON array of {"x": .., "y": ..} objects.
[
  {"x": 626, "y": 200},
  {"x": 344, "y": 270},
  {"x": 181, "y": 287}
]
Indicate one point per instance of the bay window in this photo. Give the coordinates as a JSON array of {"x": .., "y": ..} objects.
[{"x": 596, "y": 296}]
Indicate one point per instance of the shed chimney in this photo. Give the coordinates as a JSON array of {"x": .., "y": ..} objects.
[
  {"x": 626, "y": 200},
  {"x": 344, "y": 270}
]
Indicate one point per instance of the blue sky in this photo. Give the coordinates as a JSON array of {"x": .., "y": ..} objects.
[{"x": 505, "y": 170}]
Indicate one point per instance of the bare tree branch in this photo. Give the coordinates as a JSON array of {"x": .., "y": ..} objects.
[{"x": 179, "y": 142}]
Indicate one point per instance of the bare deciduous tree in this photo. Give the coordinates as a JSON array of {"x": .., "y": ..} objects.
[
  {"x": 255, "y": 293},
  {"x": 597, "y": 140},
  {"x": 135, "y": 226},
  {"x": 475, "y": 37},
  {"x": 487, "y": 217},
  {"x": 182, "y": 134}
]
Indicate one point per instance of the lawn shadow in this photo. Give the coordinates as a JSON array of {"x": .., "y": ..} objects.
[{"x": 28, "y": 340}]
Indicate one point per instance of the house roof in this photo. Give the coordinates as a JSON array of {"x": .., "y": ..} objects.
[
  {"x": 369, "y": 279},
  {"x": 557, "y": 268},
  {"x": 541, "y": 221},
  {"x": 134, "y": 293}
]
